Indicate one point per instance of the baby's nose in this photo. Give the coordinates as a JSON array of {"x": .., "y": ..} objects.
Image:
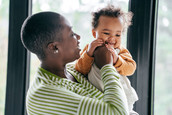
[{"x": 111, "y": 39}]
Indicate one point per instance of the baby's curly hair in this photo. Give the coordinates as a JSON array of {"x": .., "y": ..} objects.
[{"x": 112, "y": 11}]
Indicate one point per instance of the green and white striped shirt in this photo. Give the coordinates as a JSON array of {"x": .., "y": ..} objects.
[{"x": 51, "y": 94}]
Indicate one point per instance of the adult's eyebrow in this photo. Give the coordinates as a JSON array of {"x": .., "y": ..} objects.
[{"x": 70, "y": 28}]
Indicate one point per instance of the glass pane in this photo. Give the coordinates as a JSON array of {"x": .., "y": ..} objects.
[
  {"x": 163, "y": 76},
  {"x": 4, "y": 12},
  {"x": 78, "y": 12}
]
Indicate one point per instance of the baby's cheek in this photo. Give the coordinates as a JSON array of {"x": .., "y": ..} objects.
[
  {"x": 99, "y": 36},
  {"x": 119, "y": 40},
  {"x": 118, "y": 43},
  {"x": 103, "y": 37}
]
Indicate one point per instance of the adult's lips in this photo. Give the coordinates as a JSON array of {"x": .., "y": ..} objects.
[{"x": 78, "y": 47}]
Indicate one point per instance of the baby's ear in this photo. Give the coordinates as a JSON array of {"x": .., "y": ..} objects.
[{"x": 94, "y": 33}]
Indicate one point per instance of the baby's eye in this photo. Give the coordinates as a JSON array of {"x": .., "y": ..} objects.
[
  {"x": 106, "y": 33},
  {"x": 117, "y": 35}
]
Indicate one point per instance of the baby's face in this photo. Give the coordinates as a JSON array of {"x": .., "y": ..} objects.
[{"x": 109, "y": 30}]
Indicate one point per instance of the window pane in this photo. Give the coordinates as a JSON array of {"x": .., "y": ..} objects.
[
  {"x": 78, "y": 12},
  {"x": 163, "y": 76},
  {"x": 4, "y": 12}
]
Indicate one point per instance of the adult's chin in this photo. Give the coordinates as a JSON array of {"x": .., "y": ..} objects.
[
  {"x": 74, "y": 57},
  {"x": 78, "y": 53},
  {"x": 78, "y": 56}
]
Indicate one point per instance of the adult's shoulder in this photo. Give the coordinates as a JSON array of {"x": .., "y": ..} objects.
[{"x": 71, "y": 69}]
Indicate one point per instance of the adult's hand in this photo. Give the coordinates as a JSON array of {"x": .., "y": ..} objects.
[{"x": 102, "y": 56}]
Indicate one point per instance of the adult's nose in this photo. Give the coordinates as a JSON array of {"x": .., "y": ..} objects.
[{"x": 78, "y": 37}]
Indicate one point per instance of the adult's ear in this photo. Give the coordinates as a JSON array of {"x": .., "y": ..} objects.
[
  {"x": 94, "y": 33},
  {"x": 52, "y": 47}
]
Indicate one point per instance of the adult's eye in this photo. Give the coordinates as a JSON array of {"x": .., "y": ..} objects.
[{"x": 73, "y": 35}]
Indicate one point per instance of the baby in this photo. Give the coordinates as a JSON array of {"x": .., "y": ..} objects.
[{"x": 108, "y": 24}]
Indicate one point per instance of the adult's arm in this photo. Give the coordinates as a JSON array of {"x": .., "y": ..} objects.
[
  {"x": 114, "y": 101},
  {"x": 52, "y": 99}
]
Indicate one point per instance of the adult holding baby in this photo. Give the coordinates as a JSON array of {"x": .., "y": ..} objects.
[{"x": 58, "y": 88}]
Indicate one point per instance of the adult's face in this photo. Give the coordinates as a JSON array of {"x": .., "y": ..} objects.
[{"x": 69, "y": 49}]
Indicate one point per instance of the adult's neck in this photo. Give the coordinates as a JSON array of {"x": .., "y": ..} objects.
[{"x": 55, "y": 68}]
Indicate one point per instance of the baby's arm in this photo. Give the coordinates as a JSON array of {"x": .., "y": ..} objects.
[
  {"x": 123, "y": 61},
  {"x": 125, "y": 65},
  {"x": 84, "y": 63}
]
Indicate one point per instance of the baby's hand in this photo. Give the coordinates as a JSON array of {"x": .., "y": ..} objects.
[
  {"x": 93, "y": 45},
  {"x": 113, "y": 51}
]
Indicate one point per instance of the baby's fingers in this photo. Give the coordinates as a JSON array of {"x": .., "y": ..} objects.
[
  {"x": 98, "y": 41},
  {"x": 109, "y": 46},
  {"x": 111, "y": 49}
]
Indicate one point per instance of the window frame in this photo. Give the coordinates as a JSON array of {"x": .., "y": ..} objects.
[
  {"x": 18, "y": 66},
  {"x": 141, "y": 43}
]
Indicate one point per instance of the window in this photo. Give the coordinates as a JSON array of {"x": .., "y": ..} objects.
[
  {"x": 78, "y": 13},
  {"x": 139, "y": 44},
  {"x": 163, "y": 76},
  {"x": 4, "y": 11}
]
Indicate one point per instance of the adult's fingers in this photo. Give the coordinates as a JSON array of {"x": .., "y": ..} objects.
[{"x": 102, "y": 56}]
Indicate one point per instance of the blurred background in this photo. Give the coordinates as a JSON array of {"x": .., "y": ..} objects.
[{"x": 79, "y": 15}]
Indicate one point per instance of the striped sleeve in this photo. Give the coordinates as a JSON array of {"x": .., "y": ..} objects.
[
  {"x": 48, "y": 100},
  {"x": 114, "y": 101},
  {"x": 57, "y": 100}
]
